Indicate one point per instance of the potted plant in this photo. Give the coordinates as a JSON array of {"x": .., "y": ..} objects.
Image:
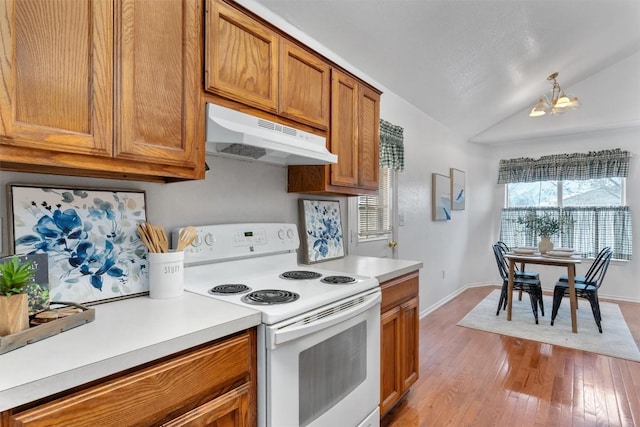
[
  {"x": 544, "y": 226},
  {"x": 15, "y": 275}
]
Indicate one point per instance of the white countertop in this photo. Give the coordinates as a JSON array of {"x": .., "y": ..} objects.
[
  {"x": 123, "y": 335},
  {"x": 382, "y": 269}
]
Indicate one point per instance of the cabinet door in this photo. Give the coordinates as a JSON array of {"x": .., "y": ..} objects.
[
  {"x": 157, "y": 84},
  {"x": 344, "y": 129},
  {"x": 410, "y": 342},
  {"x": 390, "y": 361},
  {"x": 149, "y": 396},
  {"x": 56, "y": 67},
  {"x": 369, "y": 138},
  {"x": 304, "y": 86},
  {"x": 228, "y": 410},
  {"x": 241, "y": 57}
]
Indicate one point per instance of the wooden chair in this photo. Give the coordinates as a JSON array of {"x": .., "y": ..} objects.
[
  {"x": 586, "y": 286},
  {"x": 525, "y": 283}
]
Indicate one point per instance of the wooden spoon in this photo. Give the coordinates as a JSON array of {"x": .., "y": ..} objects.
[
  {"x": 144, "y": 237},
  {"x": 161, "y": 238},
  {"x": 186, "y": 237}
]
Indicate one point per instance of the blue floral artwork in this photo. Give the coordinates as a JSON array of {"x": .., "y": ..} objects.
[
  {"x": 89, "y": 236},
  {"x": 322, "y": 230}
]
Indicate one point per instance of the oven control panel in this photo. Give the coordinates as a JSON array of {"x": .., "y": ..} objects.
[{"x": 228, "y": 241}]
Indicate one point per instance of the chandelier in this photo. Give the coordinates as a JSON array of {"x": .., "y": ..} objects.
[{"x": 556, "y": 104}]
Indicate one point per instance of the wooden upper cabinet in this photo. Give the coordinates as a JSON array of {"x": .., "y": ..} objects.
[
  {"x": 368, "y": 138},
  {"x": 241, "y": 57},
  {"x": 344, "y": 130},
  {"x": 157, "y": 90},
  {"x": 102, "y": 88},
  {"x": 304, "y": 86},
  {"x": 57, "y": 71},
  {"x": 354, "y": 136},
  {"x": 250, "y": 62}
]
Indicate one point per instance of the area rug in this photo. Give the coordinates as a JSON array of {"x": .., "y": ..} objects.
[{"x": 615, "y": 340}]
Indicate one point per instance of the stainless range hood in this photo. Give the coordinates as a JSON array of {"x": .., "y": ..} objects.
[{"x": 239, "y": 135}]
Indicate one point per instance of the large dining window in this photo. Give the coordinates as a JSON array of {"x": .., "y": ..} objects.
[{"x": 585, "y": 191}]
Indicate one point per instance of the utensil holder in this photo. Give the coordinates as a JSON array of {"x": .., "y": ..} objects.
[{"x": 166, "y": 275}]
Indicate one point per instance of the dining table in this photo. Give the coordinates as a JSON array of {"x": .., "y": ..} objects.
[{"x": 569, "y": 262}]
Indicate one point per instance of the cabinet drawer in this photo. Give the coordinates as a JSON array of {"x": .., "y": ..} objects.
[
  {"x": 152, "y": 395},
  {"x": 398, "y": 290}
]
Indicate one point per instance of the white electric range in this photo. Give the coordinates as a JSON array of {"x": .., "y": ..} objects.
[{"x": 319, "y": 341}]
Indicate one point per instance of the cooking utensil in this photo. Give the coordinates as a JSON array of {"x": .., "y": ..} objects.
[
  {"x": 161, "y": 238},
  {"x": 186, "y": 236},
  {"x": 148, "y": 237}
]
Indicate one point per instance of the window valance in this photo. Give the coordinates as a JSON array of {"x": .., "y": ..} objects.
[
  {"x": 391, "y": 146},
  {"x": 576, "y": 166}
]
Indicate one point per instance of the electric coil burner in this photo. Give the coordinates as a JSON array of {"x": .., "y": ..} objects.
[
  {"x": 300, "y": 275},
  {"x": 229, "y": 289},
  {"x": 270, "y": 296},
  {"x": 338, "y": 280}
]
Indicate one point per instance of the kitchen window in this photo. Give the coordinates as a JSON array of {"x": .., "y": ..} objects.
[
  {"x": 375, "y": 212},
  {"x": 586, "y": 190}
]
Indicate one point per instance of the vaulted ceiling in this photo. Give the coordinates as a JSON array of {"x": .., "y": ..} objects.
[{"x": 478, "y": 66}]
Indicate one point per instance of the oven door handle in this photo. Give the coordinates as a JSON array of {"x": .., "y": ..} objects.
[{"x": 322, "y": 319}]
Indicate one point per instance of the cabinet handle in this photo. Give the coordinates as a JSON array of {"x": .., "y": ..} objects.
[{"x": 392, "y": 244}]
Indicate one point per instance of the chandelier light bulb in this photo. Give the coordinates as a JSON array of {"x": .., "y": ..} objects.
[{"x": 560, "y": 102}]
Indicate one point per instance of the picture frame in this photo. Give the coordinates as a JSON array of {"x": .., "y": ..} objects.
[
  {"x": 440, "y": 197},
  {"x": 321, "y": 235},
  {"x": 458, "y": 190},
  {"x": 90, "y": 238}
]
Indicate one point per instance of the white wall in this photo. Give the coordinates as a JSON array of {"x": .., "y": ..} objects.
[
  {"x": 621, "y": 280},
  {"x": 233, "y": 191},
  {"x": 455, "y": 253}
]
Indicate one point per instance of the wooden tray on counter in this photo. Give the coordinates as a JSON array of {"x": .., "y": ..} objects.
[{"x": 49, "y": 329}]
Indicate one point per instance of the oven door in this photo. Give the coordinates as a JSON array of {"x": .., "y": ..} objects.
[{"x": 323, "y": 368}]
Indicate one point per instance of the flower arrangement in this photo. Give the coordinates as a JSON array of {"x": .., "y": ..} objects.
[{"x": 544, "y": 225}]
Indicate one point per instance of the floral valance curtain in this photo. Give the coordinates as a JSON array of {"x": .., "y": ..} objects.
[
  {"x": 576, "y": 166},
  {"x": 391, "y": 146}
]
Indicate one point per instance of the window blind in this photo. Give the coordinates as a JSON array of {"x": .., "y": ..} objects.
[{"x": 374, "y": 212}]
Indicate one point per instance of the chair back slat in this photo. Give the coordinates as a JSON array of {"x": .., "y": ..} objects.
[
  {"x": 597, "y": 260},
  {"x": 598, "y": 269},
  {"x": 503, "y": 268}
]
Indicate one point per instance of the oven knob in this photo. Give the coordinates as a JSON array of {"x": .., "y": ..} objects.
[
  {"x": 290, "y": 233},
  {"x": 209, "y": 239},
  {"x": 196, "y": 242},
  {"x": 281, "y": 234}
]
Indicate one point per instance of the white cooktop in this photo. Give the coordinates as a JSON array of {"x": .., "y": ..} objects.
[
  {"x": 264, "y": 273},
  {"x": 256, "y": 255}
]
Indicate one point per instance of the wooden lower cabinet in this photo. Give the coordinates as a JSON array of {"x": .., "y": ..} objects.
[
  {"x": 214, "y": 385},
  {"x": 399, "y": 343}
]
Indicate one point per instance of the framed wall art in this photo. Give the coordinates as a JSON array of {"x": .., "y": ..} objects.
[
  {"x": 321, "y": 235},
  {"x": 440, "y": 197},
  {"x": 90, "y": 238},
  {"x": 458, "y": 191}
]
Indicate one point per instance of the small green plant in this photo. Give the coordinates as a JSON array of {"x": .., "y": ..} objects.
[
  {"x": 15, "y": 276},
  {"x": 544, "y": 225}
]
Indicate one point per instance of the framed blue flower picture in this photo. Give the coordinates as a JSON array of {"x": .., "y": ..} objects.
[
  {"x": 90, "y": 237},
  {"x": 322, "y": 230}
]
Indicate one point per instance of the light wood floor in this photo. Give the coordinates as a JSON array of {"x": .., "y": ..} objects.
[{"x": 476, "y": 378}]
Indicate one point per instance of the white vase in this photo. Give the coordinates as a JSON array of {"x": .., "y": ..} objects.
[{"x": 545, "y": 245}]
